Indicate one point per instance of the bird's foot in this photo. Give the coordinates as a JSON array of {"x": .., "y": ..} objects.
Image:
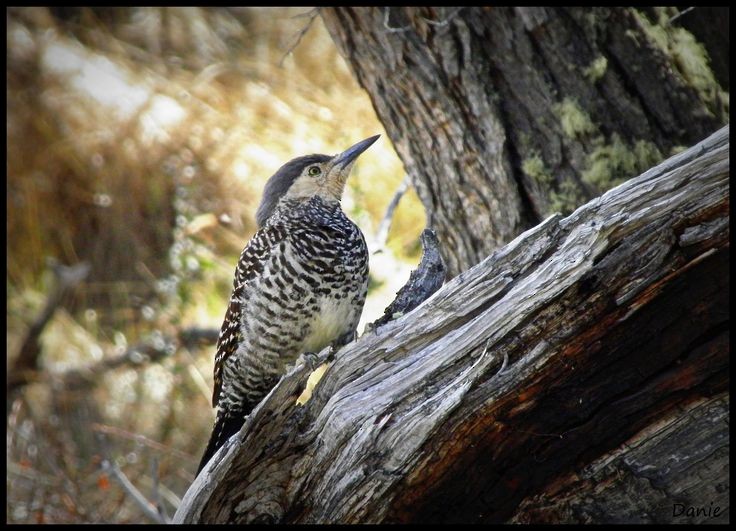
[
  {"x": 312, "y": 360},
  {"x": 330, "y": 357}
]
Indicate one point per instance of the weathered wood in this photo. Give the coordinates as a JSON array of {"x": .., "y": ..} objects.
[
  {"x": 674, "y": 471},
  {"x": 502, "y": 115},
  {"x": 423, "y": 282},
  {"x": 610, "y": 319}
]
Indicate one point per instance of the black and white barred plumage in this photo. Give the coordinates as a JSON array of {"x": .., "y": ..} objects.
[{"x": 300, "y": 285}]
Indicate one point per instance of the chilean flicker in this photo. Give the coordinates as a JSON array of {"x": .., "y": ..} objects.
[{"x": 300, "y": 285}]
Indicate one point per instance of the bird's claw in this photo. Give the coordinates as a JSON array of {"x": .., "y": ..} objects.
[{"x": 312, "y": 360}]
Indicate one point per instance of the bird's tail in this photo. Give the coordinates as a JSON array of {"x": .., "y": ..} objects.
[{"x": 226, "y": 425}]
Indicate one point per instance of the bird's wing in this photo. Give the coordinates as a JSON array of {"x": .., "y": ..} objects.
[{"x": 251, "y": 263}]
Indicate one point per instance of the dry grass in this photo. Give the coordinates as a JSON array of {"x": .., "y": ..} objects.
[{"x": 139, "y": 140}]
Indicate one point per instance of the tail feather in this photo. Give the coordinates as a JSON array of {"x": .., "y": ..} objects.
[{"x": 225, "y": 426}]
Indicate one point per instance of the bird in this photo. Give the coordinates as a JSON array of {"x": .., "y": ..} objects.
[{"x": 300, "y": 285}]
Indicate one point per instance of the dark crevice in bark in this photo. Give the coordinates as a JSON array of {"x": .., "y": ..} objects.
[
  {"x": 708, "y": 336},
  {"x": 657, "y": 128},
  {"x": 530, "y": 215}
]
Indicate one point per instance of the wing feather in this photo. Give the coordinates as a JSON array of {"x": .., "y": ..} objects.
[{"x": 250, "y": 264}]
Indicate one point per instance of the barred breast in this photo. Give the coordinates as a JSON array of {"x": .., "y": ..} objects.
[{"x": 310, "y": 294}]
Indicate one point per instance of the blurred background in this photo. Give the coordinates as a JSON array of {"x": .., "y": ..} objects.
[{"x": 138, "y": 143}]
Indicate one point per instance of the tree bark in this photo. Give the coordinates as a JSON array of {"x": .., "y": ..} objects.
[
  {"x": 679, "y": 463},
  {"x": 711, "y": 26},
  {"x": 505, "y": 115},
  {"x": 584, "y": 338}
]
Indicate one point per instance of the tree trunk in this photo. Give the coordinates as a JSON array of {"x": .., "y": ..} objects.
[
  {"x": 503, "y": 116},
  {"x": 572, "y": 353}
]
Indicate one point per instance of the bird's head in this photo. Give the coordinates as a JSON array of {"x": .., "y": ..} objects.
[{"x": 309, "y": 176}]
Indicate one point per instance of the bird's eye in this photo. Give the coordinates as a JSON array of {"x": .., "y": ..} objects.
[{"x": 314, "y": 170}]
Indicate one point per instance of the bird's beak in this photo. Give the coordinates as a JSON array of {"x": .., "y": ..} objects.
[{"x": 347, "y": 157}]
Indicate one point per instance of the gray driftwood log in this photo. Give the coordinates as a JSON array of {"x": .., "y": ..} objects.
[{"x": 586, "y": 338}]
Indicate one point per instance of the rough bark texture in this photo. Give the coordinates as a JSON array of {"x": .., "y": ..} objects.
[
  {"x": 518, "y": 380},
  {"x": 678, "y": 464},
  {"x": 504, "y": 115}
]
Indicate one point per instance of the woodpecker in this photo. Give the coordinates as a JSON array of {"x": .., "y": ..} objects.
[{"x": 300, "y": 285}]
